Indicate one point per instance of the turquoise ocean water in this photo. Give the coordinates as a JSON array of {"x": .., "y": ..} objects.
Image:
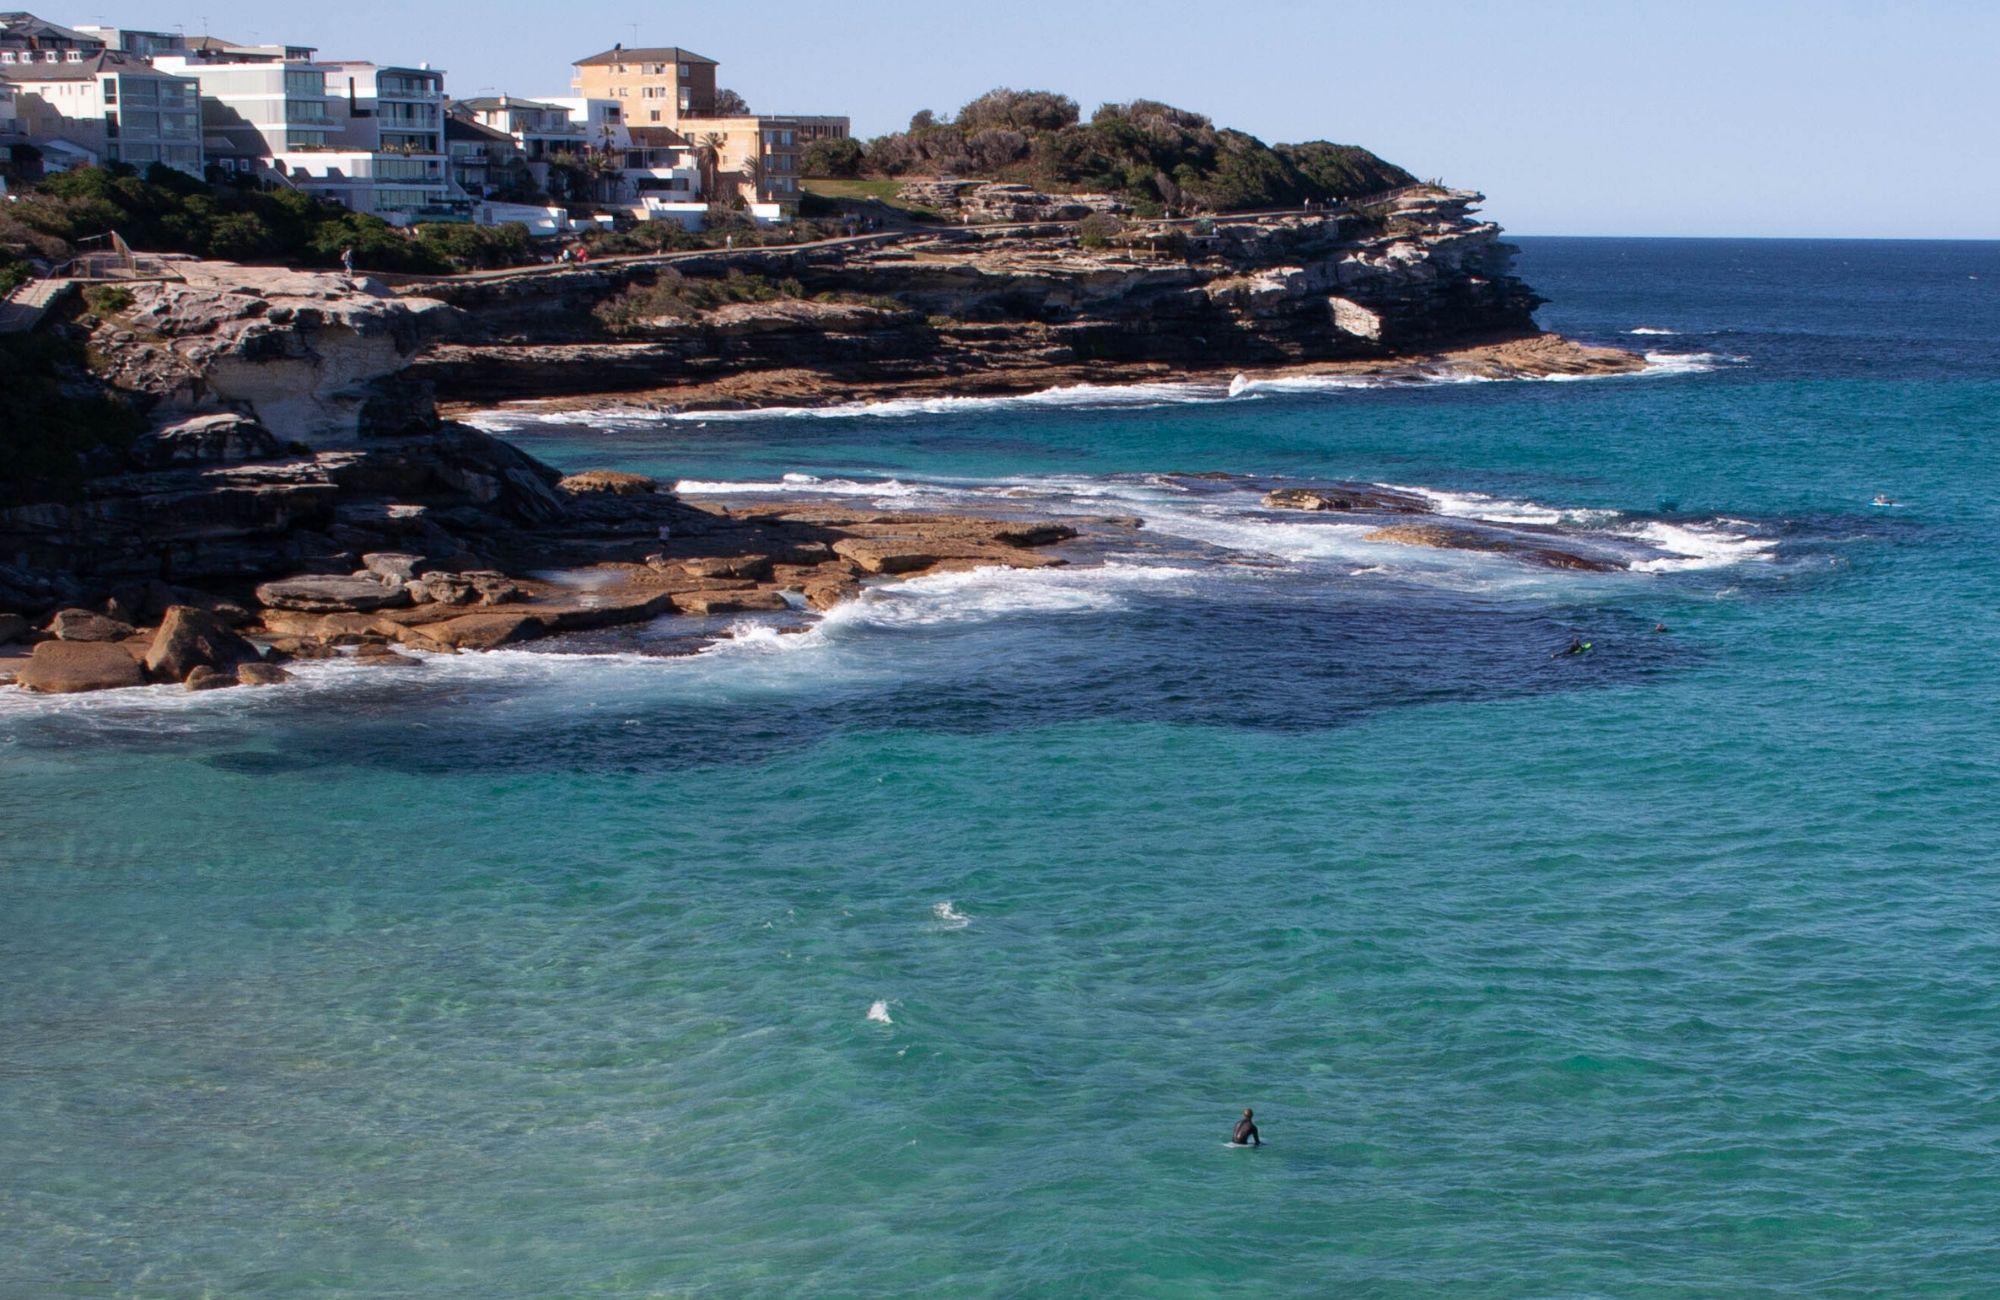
[{"x": 936, "y": 950}]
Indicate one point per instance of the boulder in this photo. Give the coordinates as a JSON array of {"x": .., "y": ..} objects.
[
  {"x": 757, "y": 568},
  {"x": 83, "y": 625},
  {"x": 825, "y": 593},
  {"x": 330, "y": 594},
  {"x": 486, "y": 631},
  {"x": 611, "y": 481},
  {"x": 377, "y": 655},
  {"x": 12, "y": 628},
  {"x": 69, "y": 667},
  {"x": 261, "y": 674},
  {"x": 1349, "y": 496},
  {"x": 915, "y": 554},
  {"x": 729, "y": 602},
  {"x": 189, "y": 638},
  {"x": 204, "y": 678},
  {"x": 395, "y": 566}
]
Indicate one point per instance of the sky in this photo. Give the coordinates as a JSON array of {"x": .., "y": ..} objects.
[{"x": 1821, "y": 118}]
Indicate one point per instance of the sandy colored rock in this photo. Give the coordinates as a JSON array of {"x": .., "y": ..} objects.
[
  {"x": 204, "y": 678},
  {"x": 83, "y": 625},
  {"x": 71, "y": 667},
  {"x": 610, "y": 481},
  {"x": 329, "y": 594},
  {"x": 487, "y": 631},
  {"x": 890, "y": 555},
  {"x": 261, "y": 674},
  {"x": 756, "y": 568},
  {"x": 189, "y": 638},
  {"x": 730, "y": 602},
  {"x": 825, "y": 593}
]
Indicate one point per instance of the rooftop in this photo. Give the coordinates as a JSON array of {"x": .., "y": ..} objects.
[
  {"x": 87, "y": 69},
  {"x": 494, "y": 103},
  {"x": 644, "y": 54}
]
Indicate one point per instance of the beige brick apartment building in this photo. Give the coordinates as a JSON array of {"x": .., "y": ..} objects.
[{"x": 671, "y": 91}]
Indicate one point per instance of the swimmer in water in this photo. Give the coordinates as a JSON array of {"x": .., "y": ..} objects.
[
  {"x": 1659, "y": 627},
  {"x": 1882, "y": 499},
  {"x": 1577, "y": 645},
  {"x": 1246, "y": 1132}
]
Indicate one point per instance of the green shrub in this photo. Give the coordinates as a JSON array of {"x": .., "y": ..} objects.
[
  {"x": 1151, "y": 154},
  {"x": 107, "y": 299},
  {"x": 1098, "y": 229}
]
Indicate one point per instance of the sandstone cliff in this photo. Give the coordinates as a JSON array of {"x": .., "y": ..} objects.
[{"x": 983, "y": 306}]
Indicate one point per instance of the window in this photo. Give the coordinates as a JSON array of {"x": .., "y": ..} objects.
[
  {"x": 111, "y": 90},
  {"x": 6, "y": 56},
  {"x": 786, "y": 139},
  {"x": 619, "y": 69},
  {"x": 684, "y": 72},
  {"x": 687, "y": 100},
  {"x": 656, "y": 115},
  {"x": 74, "y": 56}
]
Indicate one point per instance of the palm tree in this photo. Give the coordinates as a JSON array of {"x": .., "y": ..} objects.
[{"x": 708, "y": 157}]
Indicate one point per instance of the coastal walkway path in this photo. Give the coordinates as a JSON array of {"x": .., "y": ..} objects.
[{"x": 415, "y": 284}]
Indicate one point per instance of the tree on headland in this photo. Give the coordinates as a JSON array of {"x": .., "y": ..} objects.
[
  {"x": 832, "y": 157},
  {"x": 730, "y": 104},
  {"x": 1149, "y": 153}
]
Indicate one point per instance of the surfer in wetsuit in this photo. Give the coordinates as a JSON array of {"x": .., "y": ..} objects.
[
  {"x": 1577, "y": 645},
  {"x": 1246, "y": 1132}
]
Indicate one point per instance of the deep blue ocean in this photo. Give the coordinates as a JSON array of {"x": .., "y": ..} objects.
[{"x": 936, "y": 950}]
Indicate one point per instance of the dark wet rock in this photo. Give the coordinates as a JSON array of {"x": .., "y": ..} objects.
[
  {"x": 1532, "y": 548},
  {"x": 12, "y": 628},
  {"x": 220, "y": 438},
  {"x": 329, "y": 594},
  {"x": 70, "y": 667},
  {"x": 1349, "y": 496},
  {"x": 192, "y": 638}
]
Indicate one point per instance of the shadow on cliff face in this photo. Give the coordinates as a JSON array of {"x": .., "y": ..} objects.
[{"x": 1276, "y": 666}]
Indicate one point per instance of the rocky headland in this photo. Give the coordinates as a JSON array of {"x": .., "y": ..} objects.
[
  {"x": 1414, "y": 285},
  {"x": 295, "y": 493}
]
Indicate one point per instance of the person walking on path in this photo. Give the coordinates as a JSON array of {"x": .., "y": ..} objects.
[{"x": 347, "y": 261}]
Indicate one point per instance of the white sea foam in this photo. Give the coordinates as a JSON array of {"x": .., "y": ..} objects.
[
  {"x": 949, "y": 917},
  {"x": 980, "y": 595},
  {"x": 804, "y": 485},
  {"x": 1695, "y": 546},
  {"x": 1652, "y": 329},
  {"x": 878, "y": 1012},
  {"x": 1689, "y": 363},
  {"x": 1075, "y": 396},
  {"x": 1501, "y": 510}
]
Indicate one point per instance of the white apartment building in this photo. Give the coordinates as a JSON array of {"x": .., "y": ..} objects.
[
  {"x": 112, "y": 104},
  {"x": 659, "y": 169},
  {"x": 366, "y": 136}
]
